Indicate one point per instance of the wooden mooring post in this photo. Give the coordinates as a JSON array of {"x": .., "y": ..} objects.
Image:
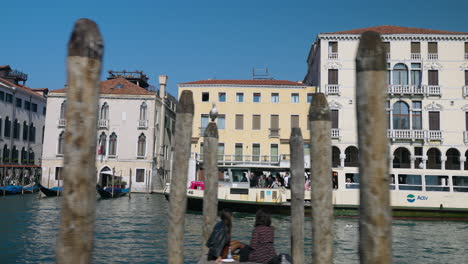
[
  {"x": 321, "y": 180},
  {"x": 84, "y": 61},
  {"x": 210, "y": 194},
  {"x": 375, "y": 237},
  {"x": 4, "y": 181},
  {"x": 178, "y": 193},
  {"x": 130, "y": 185},
  {"x": 297, "y": 181}
]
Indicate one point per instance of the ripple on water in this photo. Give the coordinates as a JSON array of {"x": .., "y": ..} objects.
[{"x": 135, "y": 231}]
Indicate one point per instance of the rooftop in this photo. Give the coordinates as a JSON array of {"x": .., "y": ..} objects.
[
  {"x": 117, "y": 86},
  {"x": 386, "y": 29},
  {"x": 247, "y": 82}
]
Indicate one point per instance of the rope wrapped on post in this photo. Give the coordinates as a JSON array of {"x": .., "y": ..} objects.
[
  {"x": 178, "y": 192},
  {"x": 321, "y": 186},
  {"x": 84, "y": 61},
  {"x": 375, "y": 238}
]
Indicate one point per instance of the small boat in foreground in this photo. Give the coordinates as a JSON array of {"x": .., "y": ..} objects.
[
  {"x": 54, "y": 191},
  {"x": 111, "y": 192}
]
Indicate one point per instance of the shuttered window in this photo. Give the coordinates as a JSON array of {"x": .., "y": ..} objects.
[
  {"x": 333, "y": 47},
  {"x": 432, "y": 47},
  {"x": 294, "y": 121},
  {"x": 274, "y": 121},
  {"x": 256, "y": 122},
  {"x": 240, "y": 122},
  {"x": 466, "y": 121},
  {"x": 332, "y": 76},
  {"x": 256, "y": 152},
  {"x": 387, "y": 47},
  {"x": 433, "y": 77},
  {"x": 466, "y": 47},
  {"x": 334, "y": 118},
  {"x": 434, "y": 120},
  {"x": 466, "y": 78},
  {"x": 238, "y": 151},
  {"x": 415, "y": 47}
]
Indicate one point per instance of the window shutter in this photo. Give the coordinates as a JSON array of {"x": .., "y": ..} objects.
[
  {"x": 239, "y": 122},
  {"x": 466, "y": 121},
  {"x": 275, "y": 121},
  {"x": 256, "y": 122},
  {"x": 415, "y": 47},
  {"x": 334, "y": 118},
  {"x": 466, "y": 47},
  {"x": 332, "y": 76},
  {"x": 387, "y": 47},
  {"x": 466, "y": 78},
  {"x": 334, "y": 46},
  {"x": 434, "y": 121},
  {"x": 294, "y": 121},
  {"x": 432, "y": 46},
  {"x": 433, "y": 78}
]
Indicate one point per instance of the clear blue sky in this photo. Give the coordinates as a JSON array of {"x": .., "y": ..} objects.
[{"x": 195, "y": 40}]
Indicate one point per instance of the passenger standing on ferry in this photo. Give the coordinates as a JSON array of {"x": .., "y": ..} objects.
[
  {"x": 276, "y": 184},
  {"x": 286, "y": 180},
  {"x": 252, "y": 180},
  {"x": 261, "y": 182}
]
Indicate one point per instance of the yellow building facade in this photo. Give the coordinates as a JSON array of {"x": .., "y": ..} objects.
[{"x": 255, "y": 116}]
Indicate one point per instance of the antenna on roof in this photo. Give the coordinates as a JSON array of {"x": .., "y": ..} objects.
[{"x": 261, "y": 74}]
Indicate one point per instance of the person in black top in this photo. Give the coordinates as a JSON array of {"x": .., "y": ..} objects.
[{"x": 220, "y": 238}]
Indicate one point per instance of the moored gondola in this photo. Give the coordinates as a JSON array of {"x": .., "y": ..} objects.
[
  {"x": 107, "y": 192},
  {"x": 54, "y": 191}
]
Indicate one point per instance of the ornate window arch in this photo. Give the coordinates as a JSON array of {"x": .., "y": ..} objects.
[
  {"x": 102, "y": 144},
  {"x": 143, "y": 111},
  {"x": 336, "y": 162},
  {"x": 141, "y": 151},
  {"x": 453, "y": 159},
  {"x": 112, "y": 144},
  {"x": 104, "y": 114},
  {"x": 61, "y": 141},
  {"x": 400, "y": 74},
  {"x": 401, "y": 115},
  {"x": 401, "y": 158},
  {"x": 352, "y": 157},
  {"x": 434, "y": 160},
  {"x": 63, "y": 108}
]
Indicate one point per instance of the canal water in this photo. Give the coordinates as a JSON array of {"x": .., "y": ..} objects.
[{"x": 135, "y": 231}]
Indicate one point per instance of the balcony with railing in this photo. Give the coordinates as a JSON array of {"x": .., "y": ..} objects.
[
  {"x": 335, "y": 133},
  {"x": 142, "y": 124},
  {"x": 432, "y": 90},
  {"x": 332, "y": 89},
  {"x": 62, "y": 122},
  {"x": 400, "y": 89},
  {"x": 410, "y": 134},
  {"x": 333, "y": 55},
  {"x": 416, "y": 56},
  {"x": 432, "y": 56},
  {"x": 274, "y": 132},
  {"x": 465, "y": 90},
  {"x": 465, "y": 136},
  {"x": 103, "y": 124},
  {"x": 237, "y": 158}
]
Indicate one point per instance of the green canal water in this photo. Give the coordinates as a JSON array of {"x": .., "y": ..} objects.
[{"x": 135, "y": 231}]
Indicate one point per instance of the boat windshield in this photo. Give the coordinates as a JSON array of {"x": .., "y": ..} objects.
[{"x": 240, "y": 175}]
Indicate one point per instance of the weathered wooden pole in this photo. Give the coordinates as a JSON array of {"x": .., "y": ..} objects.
[
  {"x": 58, "y": 182},
  {"x": 113, "y": 173},
  {"x": 210, "y": 194},
  {"x": 178, "y": 191},
  {"x": 85, "y": 49},
  {"x": 4, "y": 181},
  {"x": 48, "y": 179},
  {"x": 297, "y": 181},
  {"x": 130, "y": 185},
  {"x": 375, "y": 236},
  {"x": 321, "y": 180}
]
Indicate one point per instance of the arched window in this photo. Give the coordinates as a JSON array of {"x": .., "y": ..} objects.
[
  {"x": 32, "y": 133},
  {"x": 143, "y": 111},
  {"x": 352, "y": 157},
  {"x": 104, "y": 112},
  {"x": 453, "y": 159},
  {"x": 335, "y": 157},
  {"x": 401, "y": 158},
  {"x": 141, "y": 145},
  {"x": 14, "y": 155},
  {"x": 6, "y": 154},
  {"x": 16, "y": 129},
  {"x": 25, "y": 130},
  {"x": 400, "y": 74},
  {"x": 63, "y": 107},
  {"x": 434, "y": 159},
  {"x": 7, "y": 127},
  {"x": 61, "y": 141},
  {"x": 102, "y": 144},
  {"x": 112, "y": 144},
  {"x": 400, "y": 115},
  {"x": 24, "y": 156}
]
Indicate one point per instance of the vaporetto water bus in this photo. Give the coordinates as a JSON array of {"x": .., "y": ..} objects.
[{"x": 415, "y": 193}]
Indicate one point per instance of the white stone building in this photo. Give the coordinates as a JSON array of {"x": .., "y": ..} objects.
[
  {"x": 22, "y": 115},
  {"x": 132, "y": 133},
  {"x": 427, "y": 107}
]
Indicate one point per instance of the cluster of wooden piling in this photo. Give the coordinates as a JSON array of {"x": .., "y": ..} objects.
[{"x": 75, "y": 242}]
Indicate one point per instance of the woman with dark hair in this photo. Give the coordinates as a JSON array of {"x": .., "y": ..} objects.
[
  {"x": 261, "y": 248},
  {"x": 220, "y": 238}
]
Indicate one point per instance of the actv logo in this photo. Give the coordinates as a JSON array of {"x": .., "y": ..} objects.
[{"x": 411, "y": 198}]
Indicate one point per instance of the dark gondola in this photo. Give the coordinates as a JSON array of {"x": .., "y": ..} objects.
[
  {"x": 13, "y": 189},
  {"x": 54, "y": 191},
  {"x": 106, "y": 193}
]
